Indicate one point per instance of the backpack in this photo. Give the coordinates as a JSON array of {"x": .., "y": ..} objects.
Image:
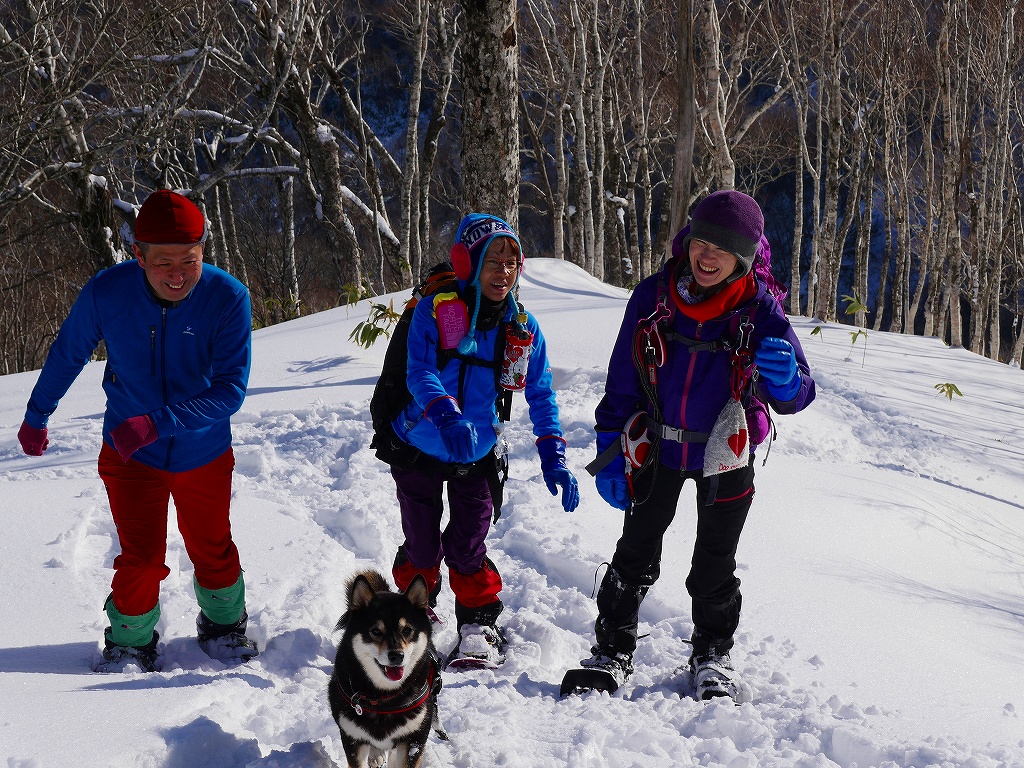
[{"x": 391, "y": 394}]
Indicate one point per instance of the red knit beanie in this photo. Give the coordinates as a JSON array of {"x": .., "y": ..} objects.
[{"x": 167, "y": 218}]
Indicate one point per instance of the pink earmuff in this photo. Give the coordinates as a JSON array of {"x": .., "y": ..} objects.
[{"x": 462, "y": 264}]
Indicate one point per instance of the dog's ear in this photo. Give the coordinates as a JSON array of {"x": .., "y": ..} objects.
[
  {"x": 360, "y": 594},
  {"x": 417, "y": 593}
]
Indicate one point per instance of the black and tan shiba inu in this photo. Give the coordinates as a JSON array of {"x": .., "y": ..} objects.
[{"x": 383, "y": 692}]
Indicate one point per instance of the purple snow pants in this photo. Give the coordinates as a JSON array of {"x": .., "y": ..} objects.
[{"x": 461, "y": 544}]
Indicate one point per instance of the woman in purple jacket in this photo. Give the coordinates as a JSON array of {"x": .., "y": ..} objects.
[{"x": 700, "y": 342}]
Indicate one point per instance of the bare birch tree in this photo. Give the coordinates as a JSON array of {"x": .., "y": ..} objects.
[
  {"x": 490, "y": 108},
  {"x": 686, "y": 117}
]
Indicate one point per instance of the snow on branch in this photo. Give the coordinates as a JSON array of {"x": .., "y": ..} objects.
[
  {"x": 382, "y": 225},
  {"x": 277, "y": 170}
]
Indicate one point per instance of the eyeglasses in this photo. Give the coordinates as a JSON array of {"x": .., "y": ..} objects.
[{"x": 495, "y": 265}]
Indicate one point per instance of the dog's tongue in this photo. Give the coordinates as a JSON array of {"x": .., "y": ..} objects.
[{"x": 394, "y": 673}]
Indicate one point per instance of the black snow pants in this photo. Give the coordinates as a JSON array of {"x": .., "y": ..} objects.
[{"x": 711, "y": 583}]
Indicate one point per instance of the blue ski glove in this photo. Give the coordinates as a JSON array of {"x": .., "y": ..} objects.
[
  {"x": 776, "y": 362},
  {"x": 552, "y": 464},
  {"x": 458, "y": 435},
  {"x": 611, "y": 480}
]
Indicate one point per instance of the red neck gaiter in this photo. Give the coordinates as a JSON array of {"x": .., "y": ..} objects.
[{"x": 728, "y": 298}]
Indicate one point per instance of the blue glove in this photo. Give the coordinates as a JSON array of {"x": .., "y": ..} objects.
[
  {"x": 458, "y": 435},
  {"x": 570, "y": 488},
  {"x": 552, "y": 464},
  {"x": 611, "y": 480},
  {"x": 611, "y": 483},
  {"x": 776, "y": 363}
]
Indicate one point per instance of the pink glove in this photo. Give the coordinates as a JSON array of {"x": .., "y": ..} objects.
[
  {"x": 33, "y": 441},
  {"x": 132, "y": 434}
]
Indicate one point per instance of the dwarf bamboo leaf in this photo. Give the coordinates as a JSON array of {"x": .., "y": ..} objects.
[{"x": 948, "y": 389}]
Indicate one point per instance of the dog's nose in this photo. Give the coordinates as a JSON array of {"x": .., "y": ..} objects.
[{"x": 396, "y": 658}]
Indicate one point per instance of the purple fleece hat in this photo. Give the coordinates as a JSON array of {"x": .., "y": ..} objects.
[{"x": 730, "y": 220}]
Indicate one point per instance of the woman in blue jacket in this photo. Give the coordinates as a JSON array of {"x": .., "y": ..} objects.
[
  {"x": 700, "y": 344},
  {"x": 178, "y": 341},
  {"x": 464, "y": 346}
]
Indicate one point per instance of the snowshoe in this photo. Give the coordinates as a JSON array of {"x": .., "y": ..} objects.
[
  {"x": 605, "y": 670},
  {"x": 226, "y": 642},
  {"x": 480, "y": 646},
  {"x": 121, "y": 658},
  {"x": 714, "y": 677}
]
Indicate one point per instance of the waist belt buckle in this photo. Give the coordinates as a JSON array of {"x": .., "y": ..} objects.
[
  {"x": 673, "y": 433},
  {"x": 462, "y": 470}
]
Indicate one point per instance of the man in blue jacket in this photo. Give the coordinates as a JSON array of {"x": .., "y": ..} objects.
[{"x": 178, "y": 342}]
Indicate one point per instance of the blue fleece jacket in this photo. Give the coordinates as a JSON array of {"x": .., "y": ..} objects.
[
  {"x": 186, "y": 366},
  {"x": 436, "y": 391}
]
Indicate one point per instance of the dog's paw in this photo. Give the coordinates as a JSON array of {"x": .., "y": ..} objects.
[{"x": 377, "y": 758}]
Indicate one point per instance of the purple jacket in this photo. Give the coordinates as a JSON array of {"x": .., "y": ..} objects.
[{"x": 692, "y": 387}]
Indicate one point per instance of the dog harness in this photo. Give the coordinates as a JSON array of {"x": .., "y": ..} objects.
[{"x": 365, "y": 705}]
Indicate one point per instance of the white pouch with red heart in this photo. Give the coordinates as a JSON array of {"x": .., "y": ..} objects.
[{"x": 728, "y": 447}]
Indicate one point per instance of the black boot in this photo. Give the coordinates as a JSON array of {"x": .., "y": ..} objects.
[
  {"x": 605, "y": 670},
  {"x": 116, "y": 658},
  {"x": 618, "y": 612},
  {"x": 226, "y": 642},
  {"x": 618, "y": 664},
  {"x": 611, "y": 661}
]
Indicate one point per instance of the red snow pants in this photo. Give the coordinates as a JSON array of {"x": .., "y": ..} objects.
[{"x": 139, "y": 497}]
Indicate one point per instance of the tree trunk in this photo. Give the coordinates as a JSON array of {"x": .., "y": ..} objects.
[
  {"x": 215, "y": 221},
  {"x": 798, "y": 231},
  {"x": 446, "y": 46},
  {"x": 291, "y": 302},
  {"x": 927, "y": 258},
  {"x": 322, "y": 158},
  {"x": 725, "y": 168},
  {"x": 96, "y": 220},
  {"x": 490, "y": 108},
  {"x": 231, "y": 238},
  {"x": 953, "y": 90},
  {"x": 599, "y": 133},
  {"x": 862, "y": 250},
  {"x": 410, "y": 249},
  {"x": 585, "y": 171},
  {"x": 686, "y": 120}
]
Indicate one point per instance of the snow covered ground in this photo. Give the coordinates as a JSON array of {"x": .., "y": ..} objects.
[{"x": 882, "y": 568}]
